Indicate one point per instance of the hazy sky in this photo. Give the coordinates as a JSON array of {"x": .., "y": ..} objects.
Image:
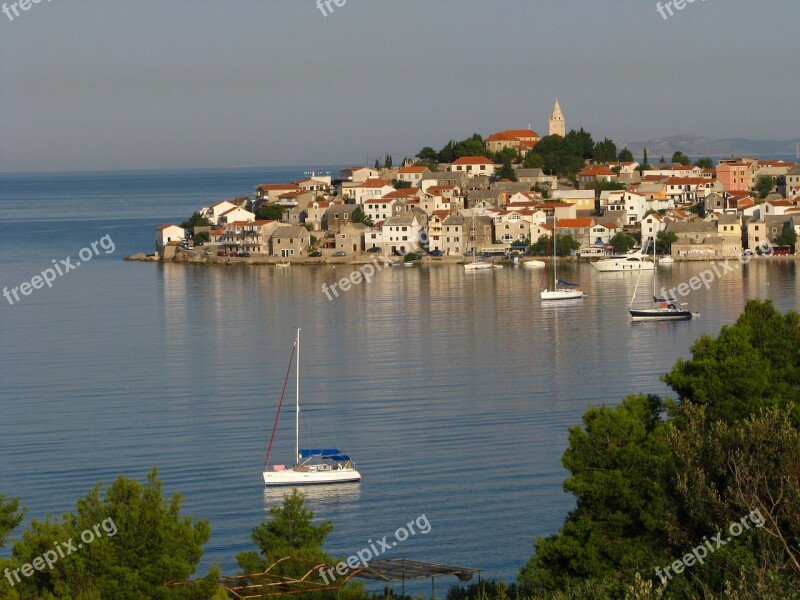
[{"x": 127, "y": 84}]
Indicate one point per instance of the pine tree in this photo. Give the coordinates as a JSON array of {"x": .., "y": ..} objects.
[{"x": 644, "y": 157}]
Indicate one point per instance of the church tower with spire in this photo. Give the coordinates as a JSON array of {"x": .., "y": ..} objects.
[{"x": 557, "y": 126}]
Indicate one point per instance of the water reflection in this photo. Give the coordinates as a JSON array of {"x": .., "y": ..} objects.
[{"x": 319, "y": 498}]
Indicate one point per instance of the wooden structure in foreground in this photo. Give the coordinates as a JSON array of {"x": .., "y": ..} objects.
[{"x": 272, "y": 583}]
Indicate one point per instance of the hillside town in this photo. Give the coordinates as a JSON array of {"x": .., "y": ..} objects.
[{"x": 496, "y": 201}]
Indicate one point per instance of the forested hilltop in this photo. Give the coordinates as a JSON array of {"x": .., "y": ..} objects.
[{"x": 696, "y": 496}]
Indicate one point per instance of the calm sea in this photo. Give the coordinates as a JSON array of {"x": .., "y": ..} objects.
[{"x": 454, "y": 392}]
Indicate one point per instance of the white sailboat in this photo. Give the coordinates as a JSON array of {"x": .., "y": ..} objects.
[
  {"x": 314, "y": 465},
  {"x": 568, "y": 291},
  {"x": 663, "y": 309}
]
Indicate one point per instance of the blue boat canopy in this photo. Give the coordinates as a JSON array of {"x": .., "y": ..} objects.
[
  {"x": 562, "y": 282},
  {"x": 325, "y": 452}
]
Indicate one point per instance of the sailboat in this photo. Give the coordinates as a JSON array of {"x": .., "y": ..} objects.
[
  {"x": 568, "y": 291},
  {"x": 314, "y": 465},
  {"x": 476, "y": 265},
  {"x": 663, "y": 309}
]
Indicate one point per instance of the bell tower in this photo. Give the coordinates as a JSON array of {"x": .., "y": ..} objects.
[{"x": 557, "y": 125}]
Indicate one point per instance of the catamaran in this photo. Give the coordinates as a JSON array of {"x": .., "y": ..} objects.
[
  {"x": 314, "y": 465},
  {"x": 568, "y": 291},
  {"x": 663, "y": 309}
]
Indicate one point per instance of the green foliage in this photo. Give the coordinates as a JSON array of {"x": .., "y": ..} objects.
[
  {"x": 704, "y": 162},
  {"x": 618, "y": 462},
  {"x": 621, "y": 242},
  {"x": 427, "y": 155},
  {"x": 506, "y": 171},
  {"x": 544, "y": 190},
  {"x": 290, "y": 531},
  {"x": 400, "y": 184},
  {"x": 533, "y": 160},
  {"x": 742, "y": 472},
  {"x": 473, "y": 146},
  {"x": 270, "y": 212},
  {"x": 764, "y": 185},
  {"x": 359, "y": 216},
  {"x": 556, "y": 155},
  {"x": 410, "y": 256},
  {"x": 680, "y": 158},
  {"x": 664, "y": 241},
  {"x": 510, "y": 155},
  {"x": 752, "y": 364},
  {"x": 202, "y": 236},
  {"x": 644, "y": 156},
  {"x": 10, "y": 517},
  {"x": 602, "y": 185},
  {"x": 143, "y": 544},
  {"x": 377, "y": 165},
  {"x": 387, "y": 161},
  {"x": 565, "y": 244},
  {"x": 625, "y": 155},
  {"x": 196, "y": 220},
  {"x": 788, "y": 237},
  {"x": 605, "y": 151}
]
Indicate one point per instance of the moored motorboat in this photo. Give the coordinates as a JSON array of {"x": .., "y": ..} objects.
[{"x": 632, "y": 261}]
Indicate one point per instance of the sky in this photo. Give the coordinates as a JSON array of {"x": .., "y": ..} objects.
[{"x": 145, "y": 84}]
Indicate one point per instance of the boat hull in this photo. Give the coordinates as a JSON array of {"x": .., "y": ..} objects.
[
  {"x": 623, "y": 265},
  {"x": 293, "y": 477},
  {"x": 534, "y": 264},
  {"x": 660, "y": 314},
  {"x": 477, "y": 266},
  {"x": 550, "y": 295}
]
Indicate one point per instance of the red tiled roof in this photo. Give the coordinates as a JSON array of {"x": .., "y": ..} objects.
[
  {"x": 594, "y": 171},
  {"x": 473, "y": 160},
  {"x": 278, "y": 186},
  {"x": 412, "y": 169},
  {"x": 375, "y": 183},
  {"x": 165, "y": 226},
  {"x": 580, "y": 222}
]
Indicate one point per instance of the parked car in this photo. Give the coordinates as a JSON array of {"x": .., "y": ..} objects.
[
  {"x": 436, "y": 253},
  {"x": 338, "y": 253},
  {"x": 243, "y": 255},
  {"x": 374, "y": 249},
  {"x": 222, "y": 253},
  {"x": 233, "y": 254},
  {"x": 315, "y": 254}
]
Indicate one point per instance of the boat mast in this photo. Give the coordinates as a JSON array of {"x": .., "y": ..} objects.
[
  {"x": 555, "y": 252},
  {"x": 297, "y": 403},
  {"x": 655, "y": 267}
]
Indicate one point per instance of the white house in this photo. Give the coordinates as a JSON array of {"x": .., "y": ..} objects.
[
  {"x": 412, "y": 174},
  {"x": 400, "y": 234},
  {"x": 371, "y": 189},
  {"x": 167, "y": 234},
  {"x": 213, "y": 212},
  {"x": 381, "y": 209},
  {"x": 651, "y": 225},
  {"x": 473, "y": 166},
  {"x": 235, "y": 214}
]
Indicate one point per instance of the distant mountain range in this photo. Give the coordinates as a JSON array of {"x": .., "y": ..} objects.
[{"x": 694, "y": 145}]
